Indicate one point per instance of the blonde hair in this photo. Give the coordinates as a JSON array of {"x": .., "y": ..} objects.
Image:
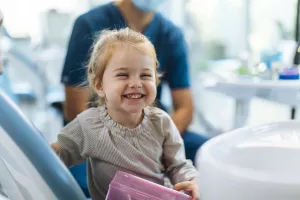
[{"x": 107, "y": 43}]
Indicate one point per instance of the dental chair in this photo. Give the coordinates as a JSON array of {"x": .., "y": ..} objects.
[{"x": 29, "y": 167}]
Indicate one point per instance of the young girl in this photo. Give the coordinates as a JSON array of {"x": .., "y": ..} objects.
[{"x": 125, "y": 133}]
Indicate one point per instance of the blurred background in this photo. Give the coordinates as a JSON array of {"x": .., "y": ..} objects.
[{"x": 240, "y": 42}]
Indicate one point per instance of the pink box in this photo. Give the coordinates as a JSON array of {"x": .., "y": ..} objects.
[{"x": 128, "y": 187}]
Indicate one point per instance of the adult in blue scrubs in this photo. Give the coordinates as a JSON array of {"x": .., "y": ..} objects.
[{"x": 171, "y": 49}]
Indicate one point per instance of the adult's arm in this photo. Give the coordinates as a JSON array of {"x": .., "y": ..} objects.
[
  {"x": 74, "y": 75},
  {"x": 179, "y": 82}
]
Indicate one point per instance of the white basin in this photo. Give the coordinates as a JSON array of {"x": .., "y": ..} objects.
[{"x": 253, "y": 163}]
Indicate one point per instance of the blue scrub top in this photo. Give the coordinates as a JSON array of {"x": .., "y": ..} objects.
[{"x": 167, "y": 39}]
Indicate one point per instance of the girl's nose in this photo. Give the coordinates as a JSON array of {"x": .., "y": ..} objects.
[{"x": 135, "y": 83}]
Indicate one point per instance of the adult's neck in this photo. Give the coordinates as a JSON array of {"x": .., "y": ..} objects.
[{"x": 136, "y": 19}]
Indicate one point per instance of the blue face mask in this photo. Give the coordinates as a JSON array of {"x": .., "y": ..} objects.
[{"x": 147, "y": 5}]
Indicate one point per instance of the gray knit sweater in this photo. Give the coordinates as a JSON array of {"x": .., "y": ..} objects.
[{"x": 151, "y": 150}]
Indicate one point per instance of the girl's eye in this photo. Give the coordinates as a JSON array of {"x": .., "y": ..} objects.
[
  {"x": 122, "y": 75},
  {"x": 146, "y": 75}
]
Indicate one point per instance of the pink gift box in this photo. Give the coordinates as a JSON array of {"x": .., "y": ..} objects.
[{"x": 125, "y": 186}]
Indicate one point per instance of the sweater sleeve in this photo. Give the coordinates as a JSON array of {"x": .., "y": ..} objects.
[
  {"x": 178, "y": 168},
  {"x": 71, "y": 141}
]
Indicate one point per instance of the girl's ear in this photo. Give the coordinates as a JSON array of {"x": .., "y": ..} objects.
[{"x": 100, "y": 92}]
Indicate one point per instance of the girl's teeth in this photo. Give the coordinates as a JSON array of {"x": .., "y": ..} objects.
[{"x": 134, "y": 96}]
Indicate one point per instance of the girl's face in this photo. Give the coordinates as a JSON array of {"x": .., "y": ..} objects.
[{"x": 129, "y": 83}]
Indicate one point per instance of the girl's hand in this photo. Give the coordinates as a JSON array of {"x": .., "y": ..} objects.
[
  {"x": 189, "y": 187},
  {"x": 56, "y": 148}
]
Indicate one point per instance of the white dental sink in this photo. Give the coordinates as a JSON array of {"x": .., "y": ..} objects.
[{"x": 253, "y": 163}]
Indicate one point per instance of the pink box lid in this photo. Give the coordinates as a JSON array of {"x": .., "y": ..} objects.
[{"x": 133, "y": 183}]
